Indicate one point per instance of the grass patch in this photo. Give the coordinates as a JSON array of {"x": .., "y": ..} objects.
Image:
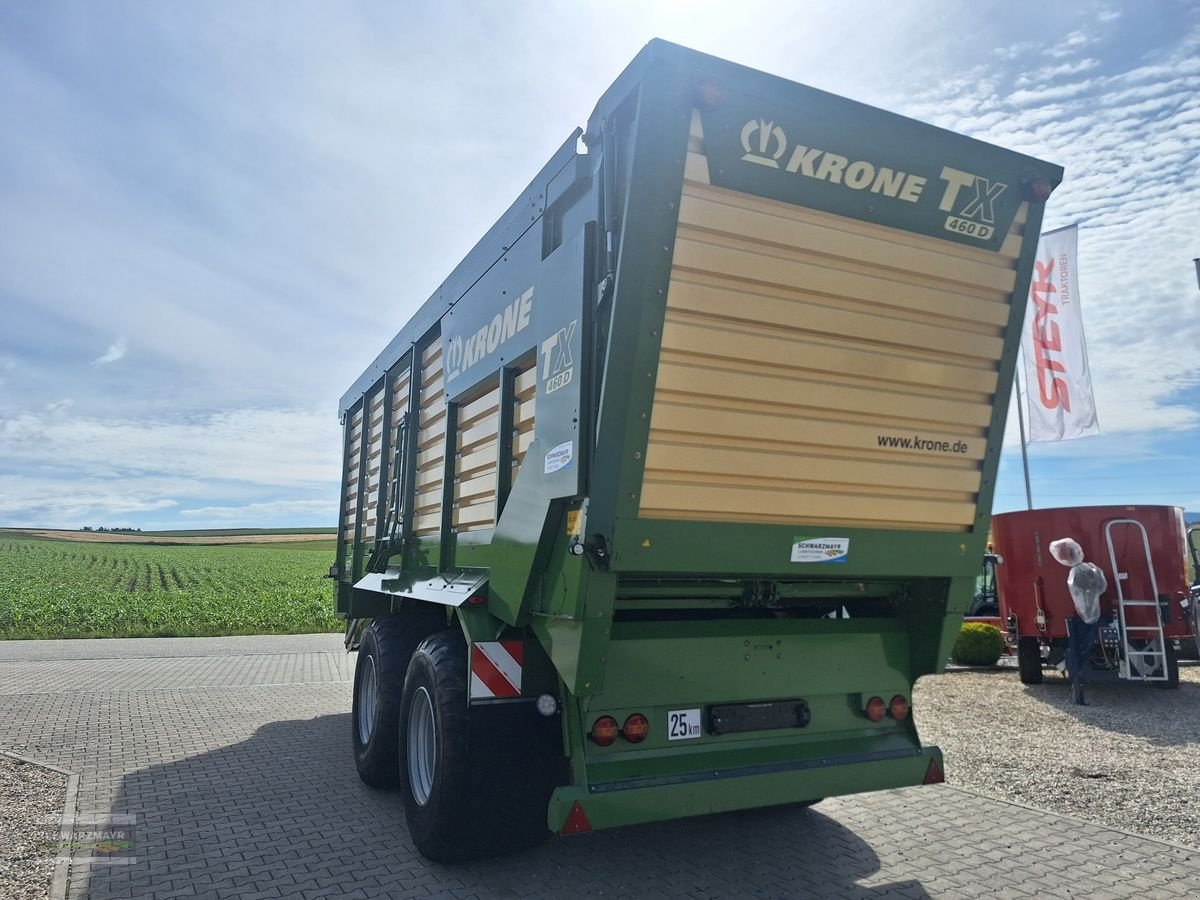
[{"x": 57, "y": 589}]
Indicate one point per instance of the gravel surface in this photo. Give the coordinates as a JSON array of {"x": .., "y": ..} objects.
[
  {"x": 29, "y": 797},
  {"x": 1130, "y": 759}
]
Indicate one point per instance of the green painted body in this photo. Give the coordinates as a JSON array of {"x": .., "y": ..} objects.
[{"x": 630, "y": 615}]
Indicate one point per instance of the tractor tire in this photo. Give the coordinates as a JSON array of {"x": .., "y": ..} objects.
[
  {"x": 1029, "y": 660},
  {"x": 464, "y": 796},
  {"x": 387, "y": 646}
]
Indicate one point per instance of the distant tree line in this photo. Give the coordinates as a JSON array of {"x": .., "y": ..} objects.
[{"x": 118, "y": 529}]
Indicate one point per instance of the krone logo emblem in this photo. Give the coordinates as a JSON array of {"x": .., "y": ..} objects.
[
  {"x": 454, "y": 355},
  {"x": 760, "y": 151}
]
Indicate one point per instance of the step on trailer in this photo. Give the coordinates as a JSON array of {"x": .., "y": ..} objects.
[
  {"x": 665, "y": 498},
  {"x": 1148, "y": 608}
]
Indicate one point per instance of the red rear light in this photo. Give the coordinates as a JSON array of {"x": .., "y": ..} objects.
[
  {"x": 636, "y": 728},
  {"x": 477, "y": 599},
  {"x": 934, "y": 774},
  {"x": 604, "y": 730},
  {"x": 898, "y": 708},
  {"x": 876, "y": 709}
]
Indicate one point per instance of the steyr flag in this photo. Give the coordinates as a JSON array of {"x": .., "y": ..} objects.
[{"x": 1058, "y": 383}]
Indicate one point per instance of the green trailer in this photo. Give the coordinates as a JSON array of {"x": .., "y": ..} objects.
[{"x": 666, "y": 497}]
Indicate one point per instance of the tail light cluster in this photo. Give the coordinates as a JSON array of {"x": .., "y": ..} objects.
[
  {"x": 605, "y": 731},
  {"x": 876, "y": 709}
]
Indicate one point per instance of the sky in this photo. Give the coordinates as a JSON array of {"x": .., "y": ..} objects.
[{"x": 213, "y": 216}]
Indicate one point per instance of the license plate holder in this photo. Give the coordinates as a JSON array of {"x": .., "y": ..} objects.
[{"x": 732, "y": 718}]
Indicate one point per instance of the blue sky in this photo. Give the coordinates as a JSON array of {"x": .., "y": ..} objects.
[{"x": 213, "y": 216}]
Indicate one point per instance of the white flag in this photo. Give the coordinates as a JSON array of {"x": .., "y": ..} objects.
[{"x": 1058, "y": 383}]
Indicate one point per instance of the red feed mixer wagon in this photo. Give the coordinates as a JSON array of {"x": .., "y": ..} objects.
[{"x": 1148, "y": 606}]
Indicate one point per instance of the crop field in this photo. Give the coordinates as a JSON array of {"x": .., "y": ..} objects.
[{"x": 56, "y": 589}]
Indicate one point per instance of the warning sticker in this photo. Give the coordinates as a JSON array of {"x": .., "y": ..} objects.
[
  {"x": 820, "y": 550},
  {"x": 560, "y": 457}
]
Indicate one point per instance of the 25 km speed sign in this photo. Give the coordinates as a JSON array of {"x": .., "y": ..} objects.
[{"x": 683, "y": 724}]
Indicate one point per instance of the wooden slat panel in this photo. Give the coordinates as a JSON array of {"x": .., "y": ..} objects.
[
  {"x": 818, "y": 277},
  {"x": 806, "y": 355},
  {"x": 841, "y": 239},
  {"x": 471, "y": 438},
  {"x": 425, "y": 526},
  {"x": 669, "y": 460},
  {"x": 427, "y": 437},
  {"x": 802, "y": 351},
  {"x": 471, "y": 413},
  {"x": 479, "y": 458},
  {"x": 763, "y": 312},
  {"x": 476, "y": 514},
  {"x": 682, "y": 501},
  {"x": 429, "y": 475},
  {"x": 481, "y": 488},
  {"x": 432, "y": 457},
  {"x": 800, "y": 431},
  {"x": 429, "y": 500},
  {"x": 431, "y": 375},
  {"x": 683, "y": 380},
  {"x": 525, "y": 383}
]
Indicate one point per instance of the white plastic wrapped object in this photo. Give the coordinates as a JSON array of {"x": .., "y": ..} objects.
[
  {"x": 1086, "y": 583},
  {"x": 1066, "y": 551}
]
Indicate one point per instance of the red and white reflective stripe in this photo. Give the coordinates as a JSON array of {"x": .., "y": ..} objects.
[{"x": 496, "y": 669}]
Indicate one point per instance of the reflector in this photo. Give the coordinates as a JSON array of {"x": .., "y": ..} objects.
[
  {"x": 934, "y": 774},
  {"x": 577, "y": 821},
  {"x": 898, "y": 707}
]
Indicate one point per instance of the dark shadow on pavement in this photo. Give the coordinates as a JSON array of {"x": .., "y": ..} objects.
[{"x": 284, "y": 811}]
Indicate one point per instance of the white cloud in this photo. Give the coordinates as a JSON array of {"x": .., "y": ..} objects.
[
  {"x": 116, "y": 350},
  {"x": 317, "y": 511},
  {"x": 289, "y": 448}
]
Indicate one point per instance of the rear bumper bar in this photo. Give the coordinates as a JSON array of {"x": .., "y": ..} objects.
[{"x": 628, "y": 802}]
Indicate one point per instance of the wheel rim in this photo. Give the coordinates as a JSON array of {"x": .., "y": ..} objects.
[
  {"x": 368, "y": 698},
  {"x": 422, "y": 746}
]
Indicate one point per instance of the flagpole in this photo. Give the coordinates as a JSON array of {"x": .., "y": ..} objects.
[{"x": 1021, "y": 420}]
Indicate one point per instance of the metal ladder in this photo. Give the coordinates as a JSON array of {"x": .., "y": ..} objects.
[{"x": 1152, "y": 657}]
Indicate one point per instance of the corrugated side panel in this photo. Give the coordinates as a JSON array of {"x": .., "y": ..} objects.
[
  {"x": 820, "y": 370},
  {"x": 431, "y": 444},
  {"x": 476, "y": 441},
  {"x": 376, "y": 401},
  {"x": 350, "y": 486},
  {"x": 475, "y": 464},
  {"x": 524, "y": 400}
]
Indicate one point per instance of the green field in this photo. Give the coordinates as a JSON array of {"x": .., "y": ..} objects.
[{"x": 57, "y": 589}]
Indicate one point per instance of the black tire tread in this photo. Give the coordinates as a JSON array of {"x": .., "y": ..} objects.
[
  {"x": 391, "y": 640},
  {"x": 480, "y": 806},
  {"x": 1029, "y": 660}
]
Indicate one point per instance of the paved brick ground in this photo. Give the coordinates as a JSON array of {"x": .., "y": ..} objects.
[{"x": 232, "y": 756}]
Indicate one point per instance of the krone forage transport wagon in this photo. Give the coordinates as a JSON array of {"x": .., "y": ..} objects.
[{"x": 665, "y": 498}]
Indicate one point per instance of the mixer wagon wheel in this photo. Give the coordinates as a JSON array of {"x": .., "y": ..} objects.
[
  {"x": 1172, "y": 663},
  {"x": 387, "y": 645},
  {"x": 1029, "y": 660}
]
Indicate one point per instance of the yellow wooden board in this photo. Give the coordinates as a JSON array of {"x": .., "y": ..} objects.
[{"x": 820, "y": 370}]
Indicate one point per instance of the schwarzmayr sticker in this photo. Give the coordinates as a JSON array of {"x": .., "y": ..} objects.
[
  {"x": 560, "y": 457},
  {"x": 820, "y": 550}
]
